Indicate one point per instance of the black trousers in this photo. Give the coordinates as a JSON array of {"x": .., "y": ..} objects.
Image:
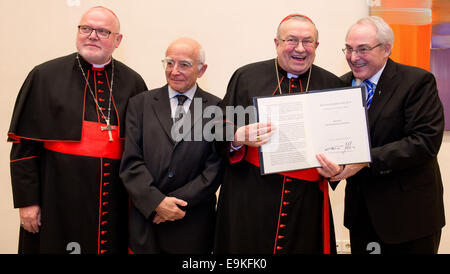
[{"x": 364, "y": 239}]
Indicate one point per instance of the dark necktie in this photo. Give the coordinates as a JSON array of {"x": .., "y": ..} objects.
[
  {"x": 179, "y": 113},
  {"x": 370, "y": 90}
]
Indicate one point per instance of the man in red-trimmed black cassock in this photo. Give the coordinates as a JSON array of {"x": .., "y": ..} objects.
[
  {"x": 277, "y": 213},
  {"x": 67, "y": 132}
]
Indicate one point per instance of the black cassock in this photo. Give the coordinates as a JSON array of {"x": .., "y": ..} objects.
[
  {"x": 63, "y": 161},
  {"x": 269, "y": 213}
]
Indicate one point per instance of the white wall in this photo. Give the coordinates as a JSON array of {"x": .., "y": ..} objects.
[{"x": 232, "y": 32}]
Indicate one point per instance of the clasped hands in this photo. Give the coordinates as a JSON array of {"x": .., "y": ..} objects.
[
  {"x": 168, "y": 210},
  {"x": 258, "y": 134}
]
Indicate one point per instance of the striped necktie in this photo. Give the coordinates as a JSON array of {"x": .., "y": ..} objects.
[
  {"x": 179, "y": 114},
  {"x": 370, "y": 88}
]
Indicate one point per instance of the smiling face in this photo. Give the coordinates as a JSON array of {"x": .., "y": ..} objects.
[
  {"x": 184, "y": 51},
  {"x": 296, "y": 59},
  {"x": 365, "y": 65},
  {"x": 91, "y": 47}
]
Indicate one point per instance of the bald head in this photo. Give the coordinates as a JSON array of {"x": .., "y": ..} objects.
[
  {"x": 104, "y": 12},
  {"x": 187, "y": 64},
  {"x": 91, "y": 47},
  {"x": 188, "y": 44}
]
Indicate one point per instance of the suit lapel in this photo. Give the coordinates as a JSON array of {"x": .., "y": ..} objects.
[
  {"x": 383, "y": 91},
  {"x": 161, "y": 108}
]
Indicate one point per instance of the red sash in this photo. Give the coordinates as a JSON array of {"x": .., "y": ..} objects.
[
  {"x": 308, "y": 175},
  {"x": 94, "y": 143}
]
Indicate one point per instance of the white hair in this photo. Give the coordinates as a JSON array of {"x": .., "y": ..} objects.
[
  {"x": 385, "y": 35},
  {"x": 201, "y": 57}
]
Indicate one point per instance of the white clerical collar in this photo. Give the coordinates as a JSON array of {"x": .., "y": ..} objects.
[
  {"x": 102, "y": 65},
  {"x": 290, "y": 75},
  {"x": 189, "y": 93}
]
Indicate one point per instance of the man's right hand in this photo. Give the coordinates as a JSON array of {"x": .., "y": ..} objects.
[
  {"x": 168, "y": 210},
  {"x": 30, "y": 218},
  {"x": 253, "y": 135}
]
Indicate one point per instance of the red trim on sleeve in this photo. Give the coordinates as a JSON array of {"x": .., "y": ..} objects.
[
  {"x": 237, "y": 155},
  {"x": 25, "y": 158}
]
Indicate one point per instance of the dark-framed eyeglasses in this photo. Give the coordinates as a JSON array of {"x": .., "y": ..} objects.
[
  {"x": 359, "y": 51},
  {"x": 169, "y": 64},
  {"x": 87, "y": 30},
  {"x": 293, "y": 42}
]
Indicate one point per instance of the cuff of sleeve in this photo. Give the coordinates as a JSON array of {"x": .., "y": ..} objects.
[{"x": 237, "y": 155}]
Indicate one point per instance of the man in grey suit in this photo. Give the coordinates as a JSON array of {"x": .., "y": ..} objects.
[
  {"x": 394, "y": 205},
  {"x": 171, "y": 181}
]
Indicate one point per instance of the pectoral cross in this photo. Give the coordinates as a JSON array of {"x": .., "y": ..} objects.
[{"x": 108, "y": 128}]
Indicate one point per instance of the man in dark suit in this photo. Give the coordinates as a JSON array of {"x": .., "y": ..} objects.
[
  {"x": 171, "y": 181},
  {"x": 394, "y": 204}
]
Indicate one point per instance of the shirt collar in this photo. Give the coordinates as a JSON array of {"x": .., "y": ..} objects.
[
  {"x": 376, "y": 77},
  {"x": 189, "y": 93}
]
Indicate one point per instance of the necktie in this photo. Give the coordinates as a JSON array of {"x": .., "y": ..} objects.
[
  {"x": 370, "y": 88},
  {"x": 179, "y": 113}
]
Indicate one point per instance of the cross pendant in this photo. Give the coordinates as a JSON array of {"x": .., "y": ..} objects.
[{"x": 108, "y": 128}]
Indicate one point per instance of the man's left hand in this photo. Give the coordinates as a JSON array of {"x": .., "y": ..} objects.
[{"x": 329, "y": 169}]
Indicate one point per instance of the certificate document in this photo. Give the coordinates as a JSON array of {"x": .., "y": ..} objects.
[{"x": 332, "y": 122}]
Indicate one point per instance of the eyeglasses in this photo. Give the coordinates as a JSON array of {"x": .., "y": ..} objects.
[
  {"x": 87, "y": 30},
  {"x": 359, "y": 51},
  {"x": 293, "y": 42},
  {"x": 169, "y": 64}
]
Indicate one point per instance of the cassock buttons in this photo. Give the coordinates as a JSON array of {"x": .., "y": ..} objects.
[{"x": 103, "y": 237}]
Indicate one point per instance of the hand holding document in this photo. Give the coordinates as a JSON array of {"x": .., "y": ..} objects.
[
  {"x": 331, "y": 122},
  {"x": 253, "y": 135}
]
